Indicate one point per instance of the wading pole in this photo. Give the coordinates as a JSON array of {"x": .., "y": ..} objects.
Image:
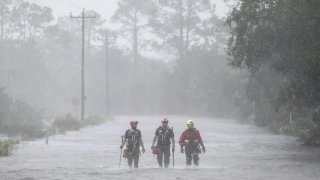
[
  {"x": 121, "y": 151},
  {"x": 173, "y": 158},
  {"x": 172, "y": 152}
]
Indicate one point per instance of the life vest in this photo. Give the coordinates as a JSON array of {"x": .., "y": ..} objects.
[
  {"x": 191, "y": 138},
  {"x": 133, "y": 137},
  {"x": 164, "y": 136}
]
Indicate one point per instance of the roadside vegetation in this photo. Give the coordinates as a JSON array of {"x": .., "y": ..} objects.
[
  {"x": 277, "y": 42},
  {"x": 6, "y": 147},
  {"x": 270, "y": 74},
  {"x": 20, "y": 122}
]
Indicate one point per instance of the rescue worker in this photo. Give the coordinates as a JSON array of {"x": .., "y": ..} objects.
[
  {"x": 190, "y": 142},
  {"x": 133, "y": 139},
  {"x": 163, "y": 135}
]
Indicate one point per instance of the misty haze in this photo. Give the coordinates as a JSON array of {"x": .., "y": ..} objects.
[{"x": 160, "y": 89}]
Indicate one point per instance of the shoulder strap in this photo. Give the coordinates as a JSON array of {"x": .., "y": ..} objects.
[
  {"x": 171, "y": 130},
  {"x": 139, "y": 132}
]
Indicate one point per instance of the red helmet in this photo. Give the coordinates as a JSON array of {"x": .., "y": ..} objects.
[
  {"x": 164, "y": 120},
  {"x": 133, "y": 122}
]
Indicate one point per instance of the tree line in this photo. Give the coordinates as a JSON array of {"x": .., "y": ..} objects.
[
  {"x": 277, "y": 41},
  {"x": 166, "y": 58}
]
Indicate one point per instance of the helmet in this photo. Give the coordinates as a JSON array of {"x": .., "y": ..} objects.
[
  {"x": 190, "y": 122},
  {"x": 164, "y": 120},
  {"x": 134, "y": 122}
]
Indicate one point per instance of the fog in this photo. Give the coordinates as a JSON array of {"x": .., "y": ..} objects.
[
  {"x": 247, "y": 72},
  {"x": 148, "y": 71}
]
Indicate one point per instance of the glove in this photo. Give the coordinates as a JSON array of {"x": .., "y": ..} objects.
[
  {"x": 173, "y": 148},
  {"x": 203, "y": 149},
  {"x": 121, "y": 146},
  {"x": 182, "y": 151},
  {"x": 143, "y": 150}
]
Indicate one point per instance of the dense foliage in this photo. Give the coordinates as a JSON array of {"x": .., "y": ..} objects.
[
  {"x": 172, "y": 62},
  {"x": 6, "y": 147},
  {"x": 19, "y": 118},
  {"x": 278, "y": 42}
]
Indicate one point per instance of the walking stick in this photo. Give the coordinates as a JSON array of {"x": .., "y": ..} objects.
[
  {"x": 172, "y": 152},
  {"x": 121, "y": 151},
  {"x": 173, "y": 158}
]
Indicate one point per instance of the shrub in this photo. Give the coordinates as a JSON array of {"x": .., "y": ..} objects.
[
  {"x": 65, "y": 123},
  {"x": 308, "y": 129},
  {"x": 92, "y": 120},
  {"x": 6, "y": 147}
]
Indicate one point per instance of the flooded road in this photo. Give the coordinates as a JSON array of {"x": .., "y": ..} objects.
[{"x": 234, "y": 151}]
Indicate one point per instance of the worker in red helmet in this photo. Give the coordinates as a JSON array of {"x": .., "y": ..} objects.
[
  {"x": 133, "y": 139},
  {"x": 163, "y": 135}
]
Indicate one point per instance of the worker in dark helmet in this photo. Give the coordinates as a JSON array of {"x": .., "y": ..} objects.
[
  {"x": 163, "y": 135},
  {"x": 133, "y": 140},
  {"x": 190, "y": 142}
]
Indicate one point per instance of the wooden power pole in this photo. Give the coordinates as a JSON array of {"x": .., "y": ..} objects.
[
  {"x": 107, "y": 76},
  {"x": 83, "y": 97},
  {"x": 2, "y": 18}
]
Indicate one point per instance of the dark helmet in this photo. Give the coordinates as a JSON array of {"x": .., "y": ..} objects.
[
  {"x": 134, "y": 122},
  {"x": 165, "y": 120}
]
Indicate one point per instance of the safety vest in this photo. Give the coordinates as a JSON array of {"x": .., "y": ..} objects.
[
  {"x": 164, "y": 135},
  {"x": 133, "y": 137}
]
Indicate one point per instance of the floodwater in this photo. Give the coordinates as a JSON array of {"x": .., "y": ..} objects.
[{"x": 234, "y": 151}]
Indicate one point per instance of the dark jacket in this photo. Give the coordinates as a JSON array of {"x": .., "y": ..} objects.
[
  {"x": 164, "y": 136},
  {"x": 133, "y": 137}
]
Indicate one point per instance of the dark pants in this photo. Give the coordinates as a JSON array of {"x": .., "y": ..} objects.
[
  {"x": 192, "y": 154},
  {"x": 133, "y": 156},
  {"x": 164, "y": 156}
]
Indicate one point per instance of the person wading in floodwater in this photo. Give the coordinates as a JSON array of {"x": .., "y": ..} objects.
[
  {"x": 163, "y": 135},
  {"x": 191, "y": 140},
  {"x": 133, "y": 139}
]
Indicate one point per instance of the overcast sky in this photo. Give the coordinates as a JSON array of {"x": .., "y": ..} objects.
[{"x": 105, "y": 8}]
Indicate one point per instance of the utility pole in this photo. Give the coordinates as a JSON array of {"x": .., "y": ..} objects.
[
  {"x": 135, "y": 40},
  {"x": 2, "y": 19},
  {"x": 83, "y": 17},
  {"x": 2, "y": 56},
  {"x": 107, "y": 74},
  {"x": 181, "y": 30},
  {"x": 109, "y": 39}
]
